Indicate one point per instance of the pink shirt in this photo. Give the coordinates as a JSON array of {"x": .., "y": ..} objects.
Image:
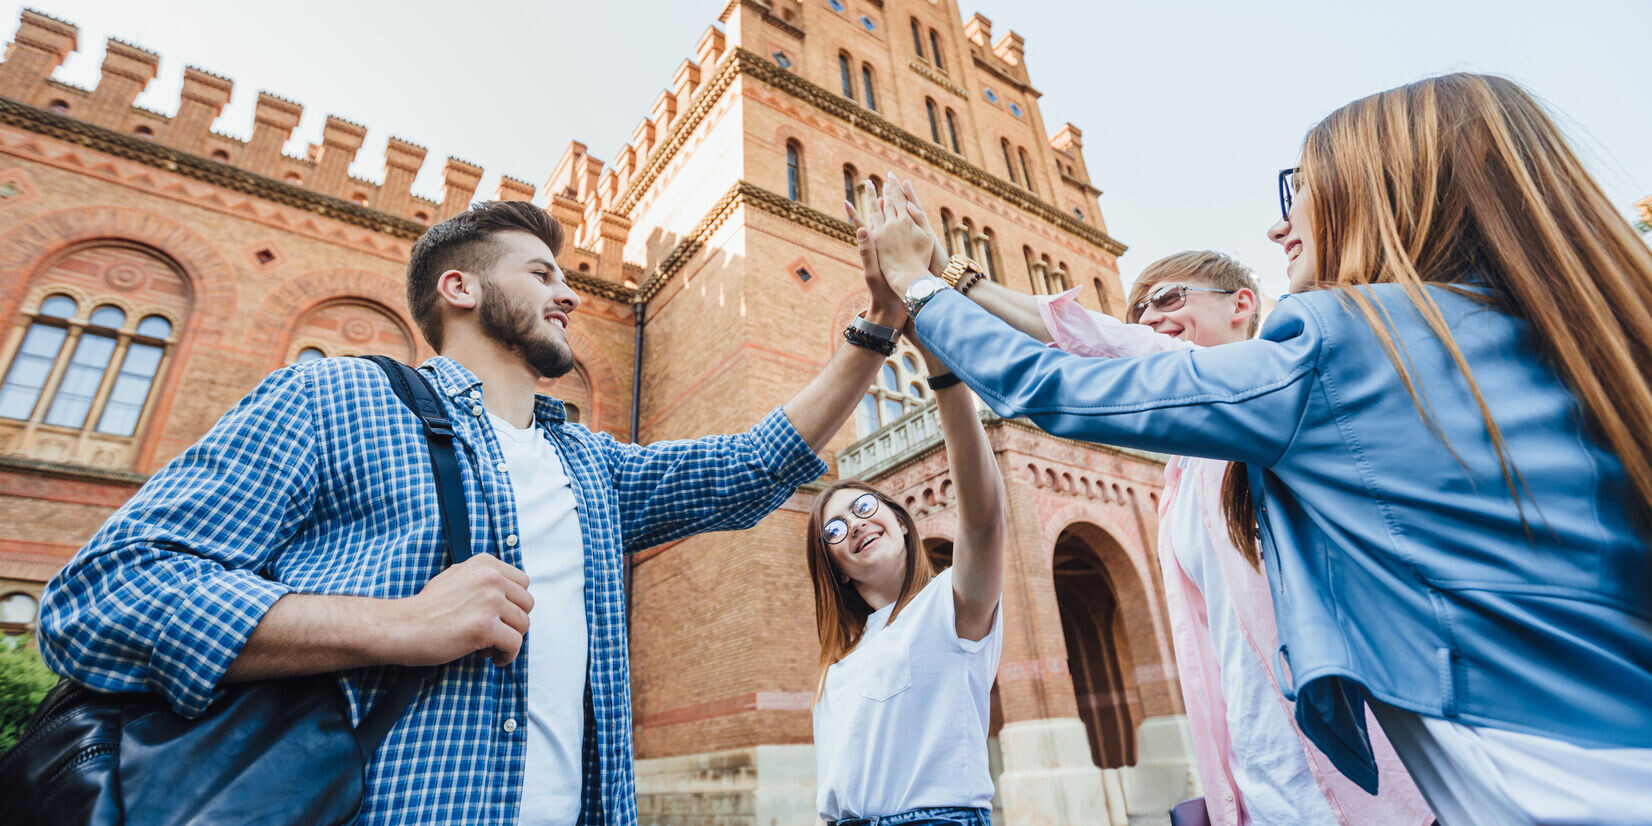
[{"x": 1083, "y": 332}]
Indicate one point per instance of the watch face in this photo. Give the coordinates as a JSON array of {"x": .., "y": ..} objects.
[{"x": 924, "y": 287}]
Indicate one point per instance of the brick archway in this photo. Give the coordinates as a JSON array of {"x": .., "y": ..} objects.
[
  {"x": 26, "y": 248},
  {"x": 607, "y": 397},
  {"x": 274, "y": 318}
]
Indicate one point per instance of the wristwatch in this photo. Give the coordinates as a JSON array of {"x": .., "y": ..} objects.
[
  {"x": 920, "y": 292},
  {"x": 956, "y": 266}
]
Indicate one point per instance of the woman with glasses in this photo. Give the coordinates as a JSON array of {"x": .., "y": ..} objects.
[
  {"x": 1447, "y": 438},
  {"x": 908, "y": 654}
]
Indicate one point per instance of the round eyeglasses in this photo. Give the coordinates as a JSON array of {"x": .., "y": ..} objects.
[
  {"x": 837, "y": 530},
  {"x": 1168, "y": 297}
]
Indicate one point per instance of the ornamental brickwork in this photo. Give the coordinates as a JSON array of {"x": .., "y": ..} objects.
[{"x": 155, "y": 270}]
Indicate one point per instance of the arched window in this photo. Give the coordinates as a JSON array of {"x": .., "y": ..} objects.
[
  {"x": 308, "y": 354},
  {"x": 934, "y": 122},
  {"x": 91, "y": 353},
  {"x": 794, "y": 170},
  {"x": 966, "y": 238},
  {"x": 845, "y": 75},
  {"x": 349, "y": 327},
  {"x": 1032, "y": 269},
  {"x": 1026, "y": 170},
  {"x": 18, "y": 608},
  {"x": 952, "y": 129},
  {"x": 917, "y": 44},
  {"x": 849, "y": 179},
  {"x": 898, "y": 390},
  {"x": 1009, "y": 163},
  {"x": 866, "y": 82},
  {"x": 935, "y": 49},
  {"x": 109, "y": 371},
  {"x": 946, "y": 231}
]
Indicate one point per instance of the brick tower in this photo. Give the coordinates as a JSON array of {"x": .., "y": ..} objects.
[{"x": 717, "y": 275}]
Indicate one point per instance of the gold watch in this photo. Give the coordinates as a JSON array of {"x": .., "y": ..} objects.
[{"x": 956, "y": 266}]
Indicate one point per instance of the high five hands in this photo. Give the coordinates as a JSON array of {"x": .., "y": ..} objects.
[{"x": 897, "y": 243}]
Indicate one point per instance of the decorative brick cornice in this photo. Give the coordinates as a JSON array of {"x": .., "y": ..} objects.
[
  {"x": 1016, "y": 83},
  {"x": 743, "y": 61},
  {"x": 937, "y": 78},
  {"x": 67, "y": 471},
  {"x": 588, "y": 283},
  {"x": 743, "y": 193},
  {"x": 51, "y": 124}
]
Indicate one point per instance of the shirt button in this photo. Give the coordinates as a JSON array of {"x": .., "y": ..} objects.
[
  {"x": 475, "y": 410},
  {"x": 510, "y": 725},
  {"x": 1227, "y": 796},
  {"x": 501, "y": 467},
  {"x": 510, "y": 541},
  {"x": 476, "y": 394}
]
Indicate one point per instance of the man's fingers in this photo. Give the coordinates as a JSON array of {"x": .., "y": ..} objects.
[
  {"x": 507, "y": 643},
  {"x": 511, "y": 572},
  {"x": 854, "y": 216},
  {"x": 896, "y": 196},
  {"x": 515, "y": 617}
]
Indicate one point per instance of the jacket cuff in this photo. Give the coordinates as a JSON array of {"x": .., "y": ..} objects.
[
  {"x": 788, "y": 459},
  {"x": 206, "y": 634}
]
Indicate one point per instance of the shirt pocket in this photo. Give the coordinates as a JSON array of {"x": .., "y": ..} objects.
[{"x": 888, "y": 672}]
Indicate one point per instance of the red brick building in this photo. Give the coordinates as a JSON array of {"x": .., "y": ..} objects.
[{"x": 155, "y": 270}]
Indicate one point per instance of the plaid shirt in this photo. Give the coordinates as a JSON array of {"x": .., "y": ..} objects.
[{"x": 319, "y": 482}]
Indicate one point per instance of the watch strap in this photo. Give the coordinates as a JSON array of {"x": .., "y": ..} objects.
[
  {"x": 943, "y": 381},
  {"x": 872, "y": 328}
]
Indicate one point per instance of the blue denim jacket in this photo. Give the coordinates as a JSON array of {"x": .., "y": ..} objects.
[{"x": 1400, "y": 566}]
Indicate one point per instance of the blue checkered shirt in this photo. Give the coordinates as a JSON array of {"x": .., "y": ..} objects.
[{"x": 319, "y": 482}]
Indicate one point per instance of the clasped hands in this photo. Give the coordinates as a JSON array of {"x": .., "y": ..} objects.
[{"x": 897, "y": 246}]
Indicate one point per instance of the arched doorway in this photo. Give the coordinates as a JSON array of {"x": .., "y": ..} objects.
[{"x": 1098, "y": 651}]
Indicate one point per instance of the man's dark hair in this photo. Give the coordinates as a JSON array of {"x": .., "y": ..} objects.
[{"x": 465, "y": 242}]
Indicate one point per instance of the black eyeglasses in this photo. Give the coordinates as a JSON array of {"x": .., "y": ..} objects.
[
  {"x": 1287, "y": 190},
  {"x": 1168, "y": 297},
  {"x": 837, "y": 529}
]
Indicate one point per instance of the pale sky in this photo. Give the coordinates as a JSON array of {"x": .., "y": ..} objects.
[{"x": 1189, "y": 107}]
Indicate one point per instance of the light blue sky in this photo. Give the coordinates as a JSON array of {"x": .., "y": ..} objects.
[{"x": 1189, "y": 107}]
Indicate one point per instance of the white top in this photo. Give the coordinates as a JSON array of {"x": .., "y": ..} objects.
[
  {"x": 1477, "y": 774},
  {"x": 553, "y": 556},
  {"x": 1270, "y": 768},
  {"x": 902, "y": 722}
]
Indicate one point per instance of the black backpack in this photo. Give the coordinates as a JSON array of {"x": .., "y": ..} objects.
[{"x": 271, "y": 752}]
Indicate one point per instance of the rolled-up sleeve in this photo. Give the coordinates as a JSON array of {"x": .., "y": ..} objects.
[
  {"x": 1084, "y": 332},
  {"x": 166, "y": 593},
  {"x": 1240, "y": 402},
  {"x": 669, "y": 490}
]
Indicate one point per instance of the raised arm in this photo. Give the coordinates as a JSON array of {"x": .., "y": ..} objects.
[{"x": 978, "y": 550}]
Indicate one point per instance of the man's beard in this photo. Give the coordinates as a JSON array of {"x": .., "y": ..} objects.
[{"x": 515, "y": 327}]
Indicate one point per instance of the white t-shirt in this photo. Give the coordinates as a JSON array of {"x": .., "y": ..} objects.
[
  {"x": 1270, "y": 767},
  {"x": 902, "y": 722},
  {"x": 553, "y": 556},
  {"x": 1478, "y": 774}
]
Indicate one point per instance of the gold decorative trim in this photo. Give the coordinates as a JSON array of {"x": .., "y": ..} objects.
[
  {"x": 937, "y": 78},
  {"x": 160, "y": 156}
]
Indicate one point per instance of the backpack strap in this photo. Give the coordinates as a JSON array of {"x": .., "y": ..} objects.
[{"x": 415, "y": 391}]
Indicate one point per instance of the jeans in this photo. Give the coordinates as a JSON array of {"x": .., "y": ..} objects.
[{"x": 940, "y": 816}]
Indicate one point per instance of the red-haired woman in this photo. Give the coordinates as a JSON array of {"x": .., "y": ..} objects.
[{"x": 908, "y": 654}]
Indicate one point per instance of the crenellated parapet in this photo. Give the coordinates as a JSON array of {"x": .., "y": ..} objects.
[{"x": 42, "y": 43}]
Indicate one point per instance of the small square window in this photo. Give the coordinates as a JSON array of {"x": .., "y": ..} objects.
[
  {"x": 866, "y": 22},
  {"x": 989, "y": 94},
  {"x": 803, "y": 274},
  {"x": 1015, "y": 109},
  {"x": 264, "y": 256},
  {"x": 837, "y": 5},
  {"x": 782, "y": 60}
]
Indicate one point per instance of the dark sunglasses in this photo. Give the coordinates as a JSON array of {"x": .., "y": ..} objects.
[
  {"x": 1168, "y": 297},
  {"x": 837, "y": 529},
  {"x": 1287, "y": 190}
]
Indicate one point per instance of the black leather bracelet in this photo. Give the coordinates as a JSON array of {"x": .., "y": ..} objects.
[
  {"x": 877, "y": 345},
  {"x": 943, "y": 381}
]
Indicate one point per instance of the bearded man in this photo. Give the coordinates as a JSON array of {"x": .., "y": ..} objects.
[{"x": 302, "y": 535}]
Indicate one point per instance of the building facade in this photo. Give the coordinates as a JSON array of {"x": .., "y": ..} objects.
[{"x": 156, "y": 270}]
